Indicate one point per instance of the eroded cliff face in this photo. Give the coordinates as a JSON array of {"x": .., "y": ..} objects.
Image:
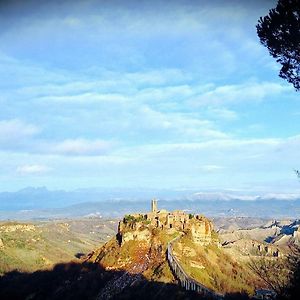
[
  {"x": 137, "y": 255},
  {"x": 133, "y": 231},
  {"x": 201, "y": 231}
]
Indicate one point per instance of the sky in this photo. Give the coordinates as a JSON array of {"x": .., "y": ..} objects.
[{"x": 135, "y": 94}]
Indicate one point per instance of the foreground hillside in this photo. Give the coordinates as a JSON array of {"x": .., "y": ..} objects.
[
  {"x": 33, "y": 246},
  {"x": 215, "y": 268},
  {"x": 44, "y": 254},
  {"x": 209, "y": 264},
  {"x": 136, "y": 256},
  {"x": 142, "y": 246}
]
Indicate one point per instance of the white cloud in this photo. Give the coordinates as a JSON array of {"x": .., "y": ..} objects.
[
  {"x": 125, "y": 91},
  {"x": 223, "y": 114},
  {"x": 80, "y": 147},
  {"x": 19, "y": 73},
  {"x": 32, "y": 169},
  {"x": 84, "y": 98},
  {"x": 156, "y": 77},
  {"x": 249, "y": 91},
  {"x": 210, "y": 168},
  {"x": 166, "y": 93},
  {"x": 182, "y": 125},
  {"x": 15, "y": 130},
  {"x": 232, "y": 154},
  {"x": 250, "y": 163}
]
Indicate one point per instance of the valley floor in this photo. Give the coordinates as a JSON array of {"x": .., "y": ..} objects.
[{"x": 39, "y": 245}]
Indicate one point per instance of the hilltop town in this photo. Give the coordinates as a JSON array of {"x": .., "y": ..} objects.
[{"x": 139, "y": 226}]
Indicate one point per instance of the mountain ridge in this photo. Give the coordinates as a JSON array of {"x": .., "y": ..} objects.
[{"x": 41, "y": 203}]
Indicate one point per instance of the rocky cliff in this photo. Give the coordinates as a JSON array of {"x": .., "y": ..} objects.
[{"x": 139, "y": 227}]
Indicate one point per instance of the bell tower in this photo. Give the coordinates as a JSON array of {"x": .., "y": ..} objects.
[{"x": 154, "y": 205}]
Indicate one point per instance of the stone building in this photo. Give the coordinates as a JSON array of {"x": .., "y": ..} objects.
[
  {"x": 154, "y": 205},
  {"x": 166, "y": 220}
]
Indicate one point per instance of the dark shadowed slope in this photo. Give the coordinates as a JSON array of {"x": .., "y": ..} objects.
[{"x": 84, "y": 281}]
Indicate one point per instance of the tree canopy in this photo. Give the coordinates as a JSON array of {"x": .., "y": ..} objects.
[{"x": 279, "y": 31}]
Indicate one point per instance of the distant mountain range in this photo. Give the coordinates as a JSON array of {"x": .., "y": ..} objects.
[{"x": 40, "y": 203}]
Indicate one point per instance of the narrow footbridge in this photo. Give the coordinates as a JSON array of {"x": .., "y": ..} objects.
[{"x": 185, "y": 280}]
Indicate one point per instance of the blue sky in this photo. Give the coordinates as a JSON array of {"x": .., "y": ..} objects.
[{"x": 163, "y": 94}]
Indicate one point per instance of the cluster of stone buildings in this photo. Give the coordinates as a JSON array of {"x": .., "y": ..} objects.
[
  {"x": 138, "y": 225},
  {"x": 166, "y": 220}
]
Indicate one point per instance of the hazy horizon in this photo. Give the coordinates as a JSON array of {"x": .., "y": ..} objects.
[
  {"x": 41, "y": 203},
  {"x": 211, "y": 190}
]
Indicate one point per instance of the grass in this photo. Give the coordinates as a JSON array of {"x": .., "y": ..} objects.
[
  {"x": 49, "y": 243},
  {"x": 221, "y": 272}
]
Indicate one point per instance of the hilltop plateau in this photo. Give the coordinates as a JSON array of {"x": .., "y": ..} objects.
[{"x": 142, "y": 243}]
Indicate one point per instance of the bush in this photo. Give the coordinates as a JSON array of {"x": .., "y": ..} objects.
[{"x": 132, "y": 219}]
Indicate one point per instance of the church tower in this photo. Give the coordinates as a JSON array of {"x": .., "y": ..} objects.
[{"x": 154, "y": 205}]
